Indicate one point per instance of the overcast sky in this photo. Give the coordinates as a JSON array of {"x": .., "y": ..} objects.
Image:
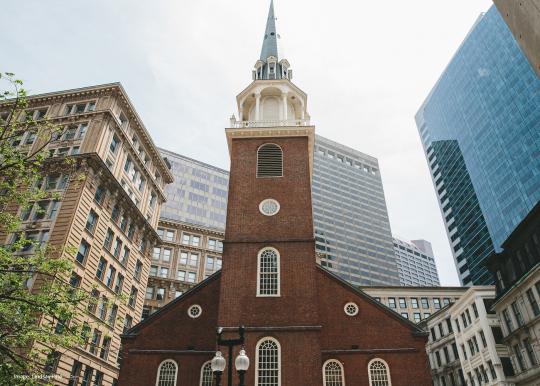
[{"x": 366, "y": 66}]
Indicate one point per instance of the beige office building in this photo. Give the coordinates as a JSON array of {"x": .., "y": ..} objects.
[
  {"x": 187, "y": 255},
  {"x": 415, "y": 303},
  {"x": 109, "y": 208}
]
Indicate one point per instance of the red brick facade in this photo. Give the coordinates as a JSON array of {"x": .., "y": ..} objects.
[{"x": 307, "y": 319}]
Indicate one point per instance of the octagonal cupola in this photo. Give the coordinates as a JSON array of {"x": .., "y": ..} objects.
[{"x": 271, "y": 99}]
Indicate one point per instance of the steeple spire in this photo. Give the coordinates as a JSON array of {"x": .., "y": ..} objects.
[
  {"x": 270, "y": 66},
  {"x": 270, "y": 47}
]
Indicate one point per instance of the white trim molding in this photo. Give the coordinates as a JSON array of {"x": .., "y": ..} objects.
[
  {"x": 277, "y": 273},
  {"x": 166, "y": 382},
  {"x": 378, "y": 382},
  {"x": 257, "y": 359}
]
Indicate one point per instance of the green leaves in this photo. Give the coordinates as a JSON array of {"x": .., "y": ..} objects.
[{"x": 35, "y": 291}]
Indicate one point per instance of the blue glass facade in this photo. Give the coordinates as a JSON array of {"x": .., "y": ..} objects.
[{"x": 480, "y": 128}]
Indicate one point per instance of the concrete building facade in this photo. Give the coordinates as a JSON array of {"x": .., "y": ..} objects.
[
  {"x": 186, "y": 255},
  {"x": 465, "y": 345},
  {"x": 352, "y": 229},
  {"x": 415, "y": 262},
  {"x": 516, "y": 270},
  {"x": 415, "y": 303},
  {"x": 110, "y": 196},
  {"x": 480, "y": 129},
  {"x": 523, "y": 19}
]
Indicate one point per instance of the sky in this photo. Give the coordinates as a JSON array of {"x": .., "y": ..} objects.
[{"x": 367, "y": 67}]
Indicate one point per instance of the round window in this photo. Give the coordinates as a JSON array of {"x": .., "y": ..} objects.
[
  {"x": 194, "y": 311},
  {"x": 269, "y": 207},
  {"x": 351, "y": 309}
]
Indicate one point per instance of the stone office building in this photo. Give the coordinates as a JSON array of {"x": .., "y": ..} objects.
[
  {"x": 109, "y": 216},
  {"x": 415, "y": 303},
  {"x": 516, "y": 271},
  {"x": 465, "y": 345},
  {"x": 303, "y": 324},
  {"x": 186, "y": 255}
]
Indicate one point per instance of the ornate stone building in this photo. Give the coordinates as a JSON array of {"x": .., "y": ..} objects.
[
  {"x": 303, "y": 324},
  {"x": 516, "y": 271},
  {"x": 187, "y": 255},
  {"x": 110, "y": 198}
]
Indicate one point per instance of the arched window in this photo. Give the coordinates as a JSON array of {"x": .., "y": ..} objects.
[
  {"x": 268, "y": 363},
  {"x": 333, "y": 373},
  {"x": 207, "y": 377},
  {"x": 268, "y": 272},
  {"x": 167, "y": 372},
  {"x": 269, "y": 161},
  {"x": 379, "y": 374}
]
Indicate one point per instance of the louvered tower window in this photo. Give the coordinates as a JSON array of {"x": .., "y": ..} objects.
[{"x": 269, "y": 161}]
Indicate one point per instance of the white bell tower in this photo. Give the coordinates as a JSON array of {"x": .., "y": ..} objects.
[{"x": 271, "y": 99}]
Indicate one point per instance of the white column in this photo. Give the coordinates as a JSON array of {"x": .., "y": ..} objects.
[
  {"x": 257, "y": 106},
  {"x": 284, "y": 102}
]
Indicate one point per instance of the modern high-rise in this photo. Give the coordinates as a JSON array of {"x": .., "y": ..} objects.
[
  {"x": 110, "y": 196},
  {"x": 480, "y": 129},
  {"x": 199, "y": 193},
  {"x": 416, "y": 264},
  {"x": 352, "y": 229}
]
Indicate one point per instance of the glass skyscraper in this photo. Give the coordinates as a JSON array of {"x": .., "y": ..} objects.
[
  {"x": 198, "y": 194},
  {"x": 480, "y": 128},
  {"x": 352, "y": 230}
]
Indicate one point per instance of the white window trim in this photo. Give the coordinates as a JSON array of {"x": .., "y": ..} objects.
[
  {"x": 159, "y": 369},
  {"x": 193, "y": 306},
  {"x": 259, "y": 273},
  {"x": 341, "y": 367},
  {"x": 387, "y": 369},
  {"x": 257, "y": 358},
  {"x": 202, "y": 373},
  {"x": 269, "y": 200},
  {"x": 353, "y": 304}
]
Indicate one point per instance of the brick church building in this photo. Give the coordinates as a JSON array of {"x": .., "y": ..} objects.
[{"x": 304, "y": 326}]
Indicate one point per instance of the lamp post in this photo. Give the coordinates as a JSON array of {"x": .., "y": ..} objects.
[
  {"x": 241, "y": 362},
  {"x": 218, "y": 365}
]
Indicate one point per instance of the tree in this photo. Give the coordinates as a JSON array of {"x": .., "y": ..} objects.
[{"x": 39, "y": 299}]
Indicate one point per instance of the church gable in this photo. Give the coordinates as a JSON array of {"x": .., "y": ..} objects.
[
  {"x": 187, "y": 323},
  {"x": 351, "y": 319}
]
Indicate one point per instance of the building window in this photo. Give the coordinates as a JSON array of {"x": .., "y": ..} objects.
[
  {"x": 436, "y": 303},
  {"x": 379, "y": 374},
  {"x": 405, "y": 315},
  {"x": 207, "y": 377},
  {"x": 533, "y": 302},
  {"x": 392, "y": 302},
  {"x": 99, "y": 196},
  {"x": 269, "y": 207},
  {"x": 268, "y": 273},
  {"x": 402, "y": 303},
  {"x": 268, "y": 363},
  {"x": 517, "y": 314},
  {"x": 519, "y": 358},
  {"x": 333, "y": 373},
  {"x": 425, "y": 303},
  {"x": 133, "y": 297},
  {"x": 114, "y": 144},
  {"x": 167, "y": 372},
  {"x": 82, "y": 253},
  {"x": 414, "y": 302},
  {"x": 530, "y": 351},
  {"x": 351, "y": 309},
  {"x": 417, "y": 317},
  {"x": 194, "y": 311},
  {"x": 91, "y": 221},
  {"x": 269, "y": 161},
  {"x": 160, "y": 294}
]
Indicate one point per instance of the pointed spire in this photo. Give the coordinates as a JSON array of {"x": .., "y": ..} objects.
[{"x": 270, "y": 47}]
